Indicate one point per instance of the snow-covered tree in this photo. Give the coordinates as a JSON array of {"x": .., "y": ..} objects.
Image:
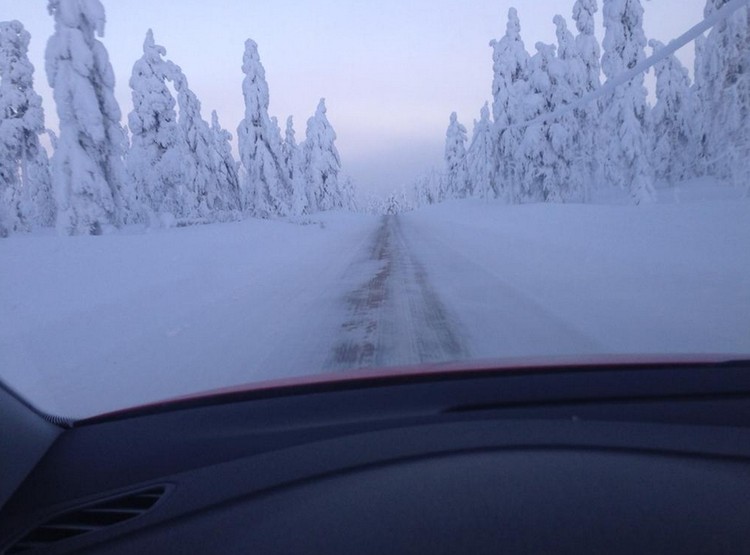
[
  {"x": 428, "y": 188},
  {"x": 587, "y": 44},
  {"x": 322, "y": 163},
  {"x": 226, "y": 168},
  {"x": 286, "y": 187},
  {"x": 589, "y": 52},
  {"x": 182, "y": 169},
  {"x": 510, "y": 67},
  {"x": 155, "y": 159},
  {"x": 625, "y": 118},
  {"x": 26, "y": 197},
  {"x": 569, "y": 77},
  {"x": 294, "y": 163},
  {"x": 725, "y": 94},
  {"x": 544, "y": 170},
  {"x": 392, "y": 205},
  {"x": 673, "y": 120},
  {"x": 481, "y": 157},
  {"x": 87, "y": 166},
  {"x": 264, "y": 176},
  {"x": 699, "y": 91},
  {"x": 348, "y": 194},
  {"x": 456, "y": 170},
  {"x": 200, "y": 174}
]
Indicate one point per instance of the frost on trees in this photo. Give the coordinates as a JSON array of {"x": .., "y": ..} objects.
[
  {"x": 428, "y": 188},
  {"x": 87, "y": 166},
  {"x": 724, "y": 94},
  {"x": 510, "y": 67},
  {"x": 286, "y": 187},
  {"x": 154, "y": 160},
  {"x": 673, "y": 120},
  {"x": 481, "y": 157},
  {"x": 544, "y": 169},
  {"x": 535, "y": 158},
  {"x": 456, "y": 171},
  {"x": 181, "y": 168},
  {"x": 26, "y": 198},
  {"x": 348, "y": 194},
  {"x": 209, "y": 197},
  {"x": 323, "y": 164},
  {"x": 589, "y": 53},
  {"x": 702, "y": 123},
  {"x": 569, "y": 76},
  {"x": 226, "y": 168},
  {"x": 294, "y": 164},
  {"x": 263, "y": 173},
  {"x": 624, "y": 138}
]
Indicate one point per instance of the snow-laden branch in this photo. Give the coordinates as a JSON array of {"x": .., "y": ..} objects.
[{"x": 728, "y": 9}]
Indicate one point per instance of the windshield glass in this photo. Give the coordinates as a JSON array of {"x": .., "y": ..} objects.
[{"x": 199, "y": 195}]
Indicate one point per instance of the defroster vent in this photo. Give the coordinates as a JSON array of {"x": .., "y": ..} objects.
[{"x": 89, "y": 518}]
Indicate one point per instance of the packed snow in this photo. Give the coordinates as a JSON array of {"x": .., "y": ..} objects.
[
  {"x": 99, "y": 323},
  {"x": 91, "y": 324}
]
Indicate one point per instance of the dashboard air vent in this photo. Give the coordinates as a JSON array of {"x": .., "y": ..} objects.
[{"x": 89, "y": 518}]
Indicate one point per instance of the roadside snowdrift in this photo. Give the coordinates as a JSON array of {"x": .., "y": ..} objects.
[
  {"x": 92, "y": 324},
  {"x": 570, "y": 279}
]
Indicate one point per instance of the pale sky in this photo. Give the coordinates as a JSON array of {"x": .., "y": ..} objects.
[{"x": 391, "y": 71}]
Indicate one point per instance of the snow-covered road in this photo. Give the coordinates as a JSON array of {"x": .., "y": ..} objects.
[
  {"x": 395, "y": 317},
  {"x": 497, "y": 316},
  {"x": 93, "y": 324}
]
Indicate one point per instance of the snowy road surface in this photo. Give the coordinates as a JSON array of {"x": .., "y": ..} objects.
[
  {"x": 93, "y": 324},
  {"x": 395, "y": 317}
]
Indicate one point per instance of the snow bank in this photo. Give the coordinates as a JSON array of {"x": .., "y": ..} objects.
[
  {"x": 92, "y": 324},
  {"x": 541, "y": 280}
]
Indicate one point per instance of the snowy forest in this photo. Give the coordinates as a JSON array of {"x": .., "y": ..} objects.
[
  {"x": 695, "y": 128},
  {"x": 170, "y": 167}
]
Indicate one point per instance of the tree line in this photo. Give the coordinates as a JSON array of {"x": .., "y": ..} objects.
[
  {"x": 168, "y": 166},
  {"x": 698, "y": 127}
]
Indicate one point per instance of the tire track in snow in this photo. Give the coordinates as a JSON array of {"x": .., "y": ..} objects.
[
  {"x": 395, "y": 317},
  {"x": 502, "y": 321}
]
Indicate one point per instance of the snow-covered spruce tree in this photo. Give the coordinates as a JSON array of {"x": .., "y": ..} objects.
[
  {"x": 322, "y": 163},
  {"x": 544, "y": 171},
  {"x": 481, "y": 157},
  {"x": 569, "y": 76},
  {"x": 587, "y": 44},
  {"x": 348, "y": 194},
  {"x": 509, "y": 84},
  {"x": 155, "y": 159},
  {"x": 702, "y": 121},
  {"x": 264, "y": 177},
  {"x": 624, "y": 129},
  {"x": 588, "y": 116},
  {"x": 725, "y": 94},
  {"x": 286, "y": 187},
  {"x": 26, "y": 198},
  {"x": 428, "y": 188},
  {"x": 201, "y": 175},
  {"x": 294, "y": 164},
  {"x": 87, "y": 167},
  {"x": 226, "y": 170},
  {"x": 456, "y": 170},
  {"x": 673, "y": 119}
]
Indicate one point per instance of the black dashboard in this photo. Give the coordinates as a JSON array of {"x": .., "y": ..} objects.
[{"x": 636, "y": 459}]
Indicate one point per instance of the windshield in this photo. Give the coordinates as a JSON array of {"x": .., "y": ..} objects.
[{"x": 209, "y": 194}]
